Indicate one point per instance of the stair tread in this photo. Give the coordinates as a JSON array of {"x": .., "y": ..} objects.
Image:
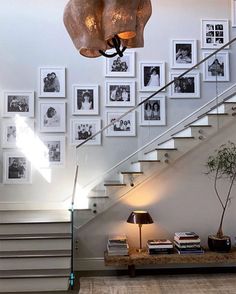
[
  {"x": 114, "y": 184},
  {"x": 91, "y": 197},
  {"x": 132, "y": 172},
  {"x": 161, "y": 149},
  {"x": 183, "y": 137},
  {"x": 34, "y": 273},
  {"x": 21, "y": 222},
  {"x": 146, "y": 160},
  {"x": 35, "y": 253},
  {"x": 35, "y": 236},
  {"x": 217, "y": 114},
  {"x": 204, "y": 126}
]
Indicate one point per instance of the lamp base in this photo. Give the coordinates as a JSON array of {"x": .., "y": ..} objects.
[{"x": 141, "y": 250}]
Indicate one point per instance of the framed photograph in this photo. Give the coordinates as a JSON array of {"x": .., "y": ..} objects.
[
  {"x": 120, "y": 93},
  {"x": 85, "y": 100},
  {"x": 153, "y": 112},
  {"x": 82, "y": 129},
  {"x": 123, "y": 127},
  {"x": 152, "y": 76},
  {"x": 18, "y": 103},
  {"x": 16, "y": 168},
  {"x": 52, "y": 82},
  {"x": 185, "y": 87},
  {"x": 184, "y": 53},
  {"x": 233, "y": 13},
  {"x": 216, "y": 68},
  {"x": 215, "y": 33},
  {"x": 121, "y": 66},
  {"x": 52, "y": 116},
  {"x": 54, "y": 152}
]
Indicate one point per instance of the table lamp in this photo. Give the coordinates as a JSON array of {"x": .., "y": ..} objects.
[{"x": 140, "y": 218}]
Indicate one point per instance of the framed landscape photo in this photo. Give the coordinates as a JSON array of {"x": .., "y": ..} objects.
[
  {"x": 215, "y": 33},
  {"x": 85, "y": 100},
  {"x": 121, "y": 66},
  {"x": 120, "y": 93},
  {"x": 126, "y": 126},
  {"x": 233, "y": 13},
  {"x": 152, "y": 76},
  {"x": 216, "y": 68},
  {"x": 52, "y": 82},
  {"x": 18, "y": 103},
  {"x": 82, "y": 129},
  {"x": 185, "y": 87},
  {"x": 52, "y": 116},
  {"x": 184, "y": 53},
  {"x": 153, "y": 112}
]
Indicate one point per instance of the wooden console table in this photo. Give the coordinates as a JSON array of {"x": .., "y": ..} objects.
[{"x": 135, "y": 258}]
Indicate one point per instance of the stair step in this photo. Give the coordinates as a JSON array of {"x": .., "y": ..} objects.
[
  {"x": 98, "y": 197},
  {"x": 201, "y": 126},
  {"x": 176, "y": 137},
  {"x": 34, "y": 236},
  {"x": 114, "y": 184},
  {"x": 160, "y": 149},
  {"x": 231, "y": 99},
  {"x": 131, "y": 173},
  {"x": 187, "y": 132},
  {"x": 45, "y": 273},
  {"x": 35, "y": 254},
  {"x": 221, "y": 114},
  {"x": 145, "y": 160}
]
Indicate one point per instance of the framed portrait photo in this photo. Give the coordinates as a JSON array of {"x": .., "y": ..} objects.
[
  {"x": 233, "y": 13},
  {"x": 215, "y": 33},
  {"x": 126, "y": 126},
  {"x": 52, "y": 82},
  {"x": 52, "y": 116},
  {"x": 85, "y": 100},
  {"x": 120, "y": 93},
  {"x": 82, "y": 129},
  {"x": 153, "y": 112},
  {"x": 16, "y": 168},
  {"x": 185, "y": 87},
  {"x": 18, "y": 103},
  {"x": 152, "y": 76},
  {"x": 121, "y": 66},
  {"x": 184, "y": 53},
  {"x": 216, "y": 68}
]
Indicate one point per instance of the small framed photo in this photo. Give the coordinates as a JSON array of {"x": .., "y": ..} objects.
[
  {"x": 184, "y": 53},
  {"x": 185, "y": 87},
  {"x": 82, "y": 129},
  {"x": 52, "y": 82},
  {"x": 216, "y": 68},
  {"x": 18, "y": 103},
  {"x": 152, "y": 76},
  {"x": 233, "y": 13},
  {"x": 85, "y": 100},
  {"x": 121, "y": 66},
  {"x": 215, "y": 33},
  {"x": 126, "y": 126},
  {"x": 16, "y": 168},
  {"x": 153, "y": 112},
  {"x": 52, "y": 116},
  {"x": 120, "y": 93}
]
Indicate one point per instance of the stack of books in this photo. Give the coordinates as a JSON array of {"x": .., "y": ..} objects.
[
  {"x": 187, "y": 243},
  {"x": 157, "y": 246},
  {"x": 117, "y": 245}
]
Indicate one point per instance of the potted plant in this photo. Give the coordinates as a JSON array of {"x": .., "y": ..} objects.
[{"x": 222, "y": 164}]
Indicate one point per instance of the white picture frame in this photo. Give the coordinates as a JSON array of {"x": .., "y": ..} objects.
[
  {"x": 153, "y": 111},
  {"x": 233, "y": 13},
  {"x": 85, "y": 100},
  {"x": 18, "y": 103},
  {"x": 51, "y": 82},
  {"x": 152, "y": 76},
  {"x": 216, "y": 68},
  {"x": 52, "y": 116},
  {"x": 183, "y": 53},
  {"x": 121, "y": 66}
]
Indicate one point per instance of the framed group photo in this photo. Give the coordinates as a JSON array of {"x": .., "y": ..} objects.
[
  {"x": 153, "y": 112},
  {"x": 184, "y": 53},
  {"x": 121, "y": 66}
]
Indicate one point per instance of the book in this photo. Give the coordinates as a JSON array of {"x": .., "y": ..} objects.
[
  {"x": 159, "y": 242},
  {"x": 196, "y": 251},
  {"x": 187, "y": 241},
  {"x": 187, "y": 246},
  {"x": 117, "y": 240},
  {"x": 186, "y": 235},
  {"x": 160, "y": 250},
  {"x": 160, "y": 246}
]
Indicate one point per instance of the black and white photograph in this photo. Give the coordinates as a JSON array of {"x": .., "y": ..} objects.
[
  {"x": 18, "y": 103},
  {"x": 184, "y": 53},
  {"x": 52, "y": 82},
  {"x": 152, "y": 76},
  {"x": 153, "y": 112},
  {"x": 54, "y": 153},
  {"x": 215, "y": 33},
  {"x": 216, "y": 68},
  {"x": 52, "y": 116},
  {"x": 82, "y": 129},
  {"x": 122, "y": 127},
  {"x": 233, "y": 13},
  {"x": 121, "y": 66},
  {"x": 85, "y": 100},
  {"x": 120, "y": 93}
]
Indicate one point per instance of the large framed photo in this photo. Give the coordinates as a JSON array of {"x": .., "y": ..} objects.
[
  {"x": 52, "y": 82},
  {"x": 121, "y": 66},
  {"x": 85, "y": 100},
  {"x": 126, "y": 126},
  {"x": 54, "y": 151},
  {"x": 152, "y": 76},
  {"x": 52, "y": 116},
  {"x": 120, "y": 93},
  {"x": 18, "y": 103},
  {"x": 184, "y": 53},
  {"x": 215, "y": 33},
  {"x": 186, "y": 87},
  {"x": 216, "y": 68},
  {"x": 233, "y": 13},
  {"x": 16, "y": 168},
  {"x": 153, "y": 112},
  {"x": 82, "y": 129}
]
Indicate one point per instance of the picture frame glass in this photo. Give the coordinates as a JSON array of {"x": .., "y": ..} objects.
[
  {"x": 153, "y": 112},
  {"x": 125, "y": 126},
  {"x": 52, "y": 82},
  {"x": 152, "y": 76},
  {"x": 54, "y": 153},
  {"x": 121, "y": 66},
  {"x": 184, "y": 53},
  {"x": 120, "y": 93}
]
